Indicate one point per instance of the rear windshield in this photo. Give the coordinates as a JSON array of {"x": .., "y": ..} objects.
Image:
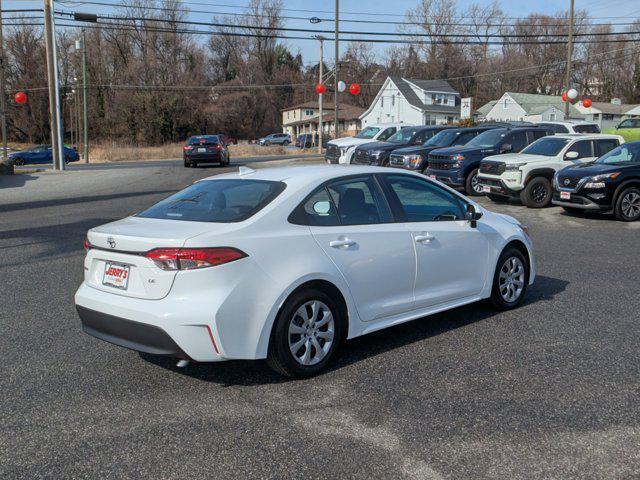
[
  {"x": 220, "y": 201},
  {"x": 204, "y": 140},
  {"x": 586, "y": 128}
]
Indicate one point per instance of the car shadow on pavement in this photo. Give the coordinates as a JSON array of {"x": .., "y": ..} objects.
[
  {"x": 57, "y": 202},
  {"x": 15, "y": 181},
  {"x": 247, "y": 373}
]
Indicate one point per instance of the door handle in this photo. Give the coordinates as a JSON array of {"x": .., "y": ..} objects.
[
  {"x": 424, "y": 238},
  {"x": 341, "y": 243}
]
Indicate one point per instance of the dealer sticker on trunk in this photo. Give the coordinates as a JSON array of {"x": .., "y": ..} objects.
[{"x": 116, "y": 275}]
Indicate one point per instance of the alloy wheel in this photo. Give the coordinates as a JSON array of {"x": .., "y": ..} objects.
[
  {"x": 475, "y": 184},
  {"x": 311, "y": 332},
  {"x": 511, "y": 279},
  {"x": 631, "y": 205},
  {"x": 539, "y": 193}
]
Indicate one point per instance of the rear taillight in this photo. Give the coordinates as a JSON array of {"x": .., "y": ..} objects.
[
  {"x": 87, "y": 245},
  {"x": 218, "y": 147},
  {"x": 191, "y": 258},
  {"x": 188, "y": 147}
]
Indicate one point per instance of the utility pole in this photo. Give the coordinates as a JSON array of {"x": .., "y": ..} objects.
[
  {"x": 3, "y": 99},
  {"x": 567, "y": 83},
  {"x": 85, "y": 130},
  {"x": 337, "y": 57},
  {"x": 321, "y": 38},
  {"x": 54, "y": 91}
]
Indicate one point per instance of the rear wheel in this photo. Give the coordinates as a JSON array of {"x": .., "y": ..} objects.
[
  {"x": 627, "y": 206},
  {"x": 510, "y": 279},
  {"x": 285, "y": 143},
  {"x": 306, "y": 334},
  {"x": 537, "y": 193},
  {"x": 471, "y": 185},
  {"x": 497, "y": 198}
]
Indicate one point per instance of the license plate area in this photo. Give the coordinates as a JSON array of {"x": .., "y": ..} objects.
[
  {"x": 432, "y": 177},
  {"x": 202, "y": 150},
  {"x": 565, "y": 195},
  {"x": 116, "y": 275},
  {"x": 486, "y": 188}
]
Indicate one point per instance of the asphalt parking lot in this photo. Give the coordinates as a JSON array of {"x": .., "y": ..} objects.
[{"x": 546, "y": 391}]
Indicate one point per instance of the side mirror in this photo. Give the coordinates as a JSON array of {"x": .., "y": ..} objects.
[
  {"x": 571, "y": 155},
  {"x": 506, "y": 148},
  {"x": 473, "y": 215}
]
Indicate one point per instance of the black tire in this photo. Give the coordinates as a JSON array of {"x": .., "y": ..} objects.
[
  {"x": 18, "y": 162},
  {"x": 471, "y": 185},
  {"x": 497, "y": 198},
  {"x": 280, "y": 358},
  {"x": 497, "y": 299},
  {"x": 627, "y": 207},
  {"x": 285, "y": 143},
  {"x": 537, "y": 193},
  {"x": 572, "y": 211}
]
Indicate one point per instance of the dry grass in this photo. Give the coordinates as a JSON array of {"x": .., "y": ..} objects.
[{"x": 112, "y": 152}]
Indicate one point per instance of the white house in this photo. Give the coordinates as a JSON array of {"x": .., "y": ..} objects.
[
  {"x": 414, "y": 102},
  {"x": 608, "y": 115},
  {"x": 526, "y": 107}
]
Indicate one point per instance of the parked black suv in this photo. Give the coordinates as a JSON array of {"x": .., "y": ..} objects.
[
  {"x": 458, "y": 166},
  {"x": 415, "y": 157},
  {"x": 610, "y": 184},
  {"x": 377, "y": 153}
]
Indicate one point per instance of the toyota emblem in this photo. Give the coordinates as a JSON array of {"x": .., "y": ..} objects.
[
  {"x": 111, "y": 242},
  {"x": 567, "y": 181}
]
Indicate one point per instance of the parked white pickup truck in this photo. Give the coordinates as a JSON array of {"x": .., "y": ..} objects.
[
  {"x": 528, "y": 175},
  {"x": 341, "y": 150}
]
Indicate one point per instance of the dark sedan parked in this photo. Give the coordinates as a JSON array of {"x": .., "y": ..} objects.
[
  {"x": 41, "y": 154},
  {"x": 306, "y": 140},
  {"x": 610, "y": 184},
  {"x": 416, "y": 157},
  {"x": 205, "y": 149},
  {"x": 377, "y": 153}
]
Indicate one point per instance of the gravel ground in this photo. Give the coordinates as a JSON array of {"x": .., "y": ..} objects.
[{"x": 546, "y": 391}]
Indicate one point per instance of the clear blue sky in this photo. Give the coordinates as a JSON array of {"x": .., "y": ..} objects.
[{"x": 393, "y": 10}]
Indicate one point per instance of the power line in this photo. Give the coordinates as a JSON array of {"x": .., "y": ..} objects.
[
  {"x": 352, "y": 32},
  {"x": 346, "y": 20}
]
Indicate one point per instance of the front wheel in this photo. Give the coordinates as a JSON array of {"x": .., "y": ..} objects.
[
  {"x": 285, "y": 143},
  {"x": 18, "y": 162},
  {"x": 471, "y": 185},
  {"x": 627, "y": 206},
  {"x": 510, "y": 280},
  {"x": 306, "y": 334},
  {"x": 537, "y": 193}
]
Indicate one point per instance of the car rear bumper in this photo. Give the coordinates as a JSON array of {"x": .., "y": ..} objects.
[
  {"x": 203, "y": 157},
  {"x": 137, "y": 336}
]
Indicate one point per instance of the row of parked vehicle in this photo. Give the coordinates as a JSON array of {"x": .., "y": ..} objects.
[{"x": 578, "y": 170}]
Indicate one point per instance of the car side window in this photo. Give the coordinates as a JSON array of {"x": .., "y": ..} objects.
[
  {"x": 422, "y": 201},
  {"x": 583, "y": 148},
  {"x": 518, "y": 141},
  {"x": 317, "y": 210},
  {"x": 358, "y": 201},
  {"x": 626, "y": 123},
  {"x": 560, "y": 129},
  {"x": 422, "y": 137},
  {"x": 463, "y": 138},
  {"x": 538, "y": 134},
  {"x": 605, "y": 146},
  {"x": 387, "y": 133}
]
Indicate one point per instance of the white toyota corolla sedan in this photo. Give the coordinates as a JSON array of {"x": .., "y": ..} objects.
[{"x": 287, "y": 263}]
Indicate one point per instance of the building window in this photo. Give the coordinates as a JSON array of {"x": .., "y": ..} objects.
[
  {"x": 382, "y": 102},
  {"x": 449, "y": 119},
  {"x": 552, "y": 117},
  {"x": 505, "y": 103},
  {"x": 393, "y": 100}
]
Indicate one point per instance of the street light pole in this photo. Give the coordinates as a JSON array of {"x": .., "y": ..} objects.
[
  {"x": 54, "y": 90},
  {"x": 320, "y": 73},
  {"x": 567, "y": 84},
  {"x": 85, "y": 130},
  {"x": 3, "y": 99},
  {"x": 336, "y": 68}
]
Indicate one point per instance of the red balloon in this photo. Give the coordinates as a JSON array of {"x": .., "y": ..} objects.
[
  {"x": 586, "y": 103},
  {"x": 20, "y": 98},
  {"x": 354, "y": 89},
  {"x": 320, "y": 88},
  {"x": 564, "y": 96}
]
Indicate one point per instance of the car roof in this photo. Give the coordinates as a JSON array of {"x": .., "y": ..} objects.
[
  {"x": 585, "y": 136},
  {"x": 300, "y": 174},
  {"x": 568, "y": 122}
]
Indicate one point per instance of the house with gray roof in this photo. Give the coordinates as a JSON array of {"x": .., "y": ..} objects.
[
  {"x": 413, "y": 102},
  {"x": 528, "y": 107}
]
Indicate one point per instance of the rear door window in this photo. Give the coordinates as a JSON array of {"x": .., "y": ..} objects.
[
  {"x": 358, "y": 201},
  {"x": 518, "y": 141},
  {"x": 218, "y": 201},
  {"x": 605, "y": 146},
  {"x": 387, "y": 133}
]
